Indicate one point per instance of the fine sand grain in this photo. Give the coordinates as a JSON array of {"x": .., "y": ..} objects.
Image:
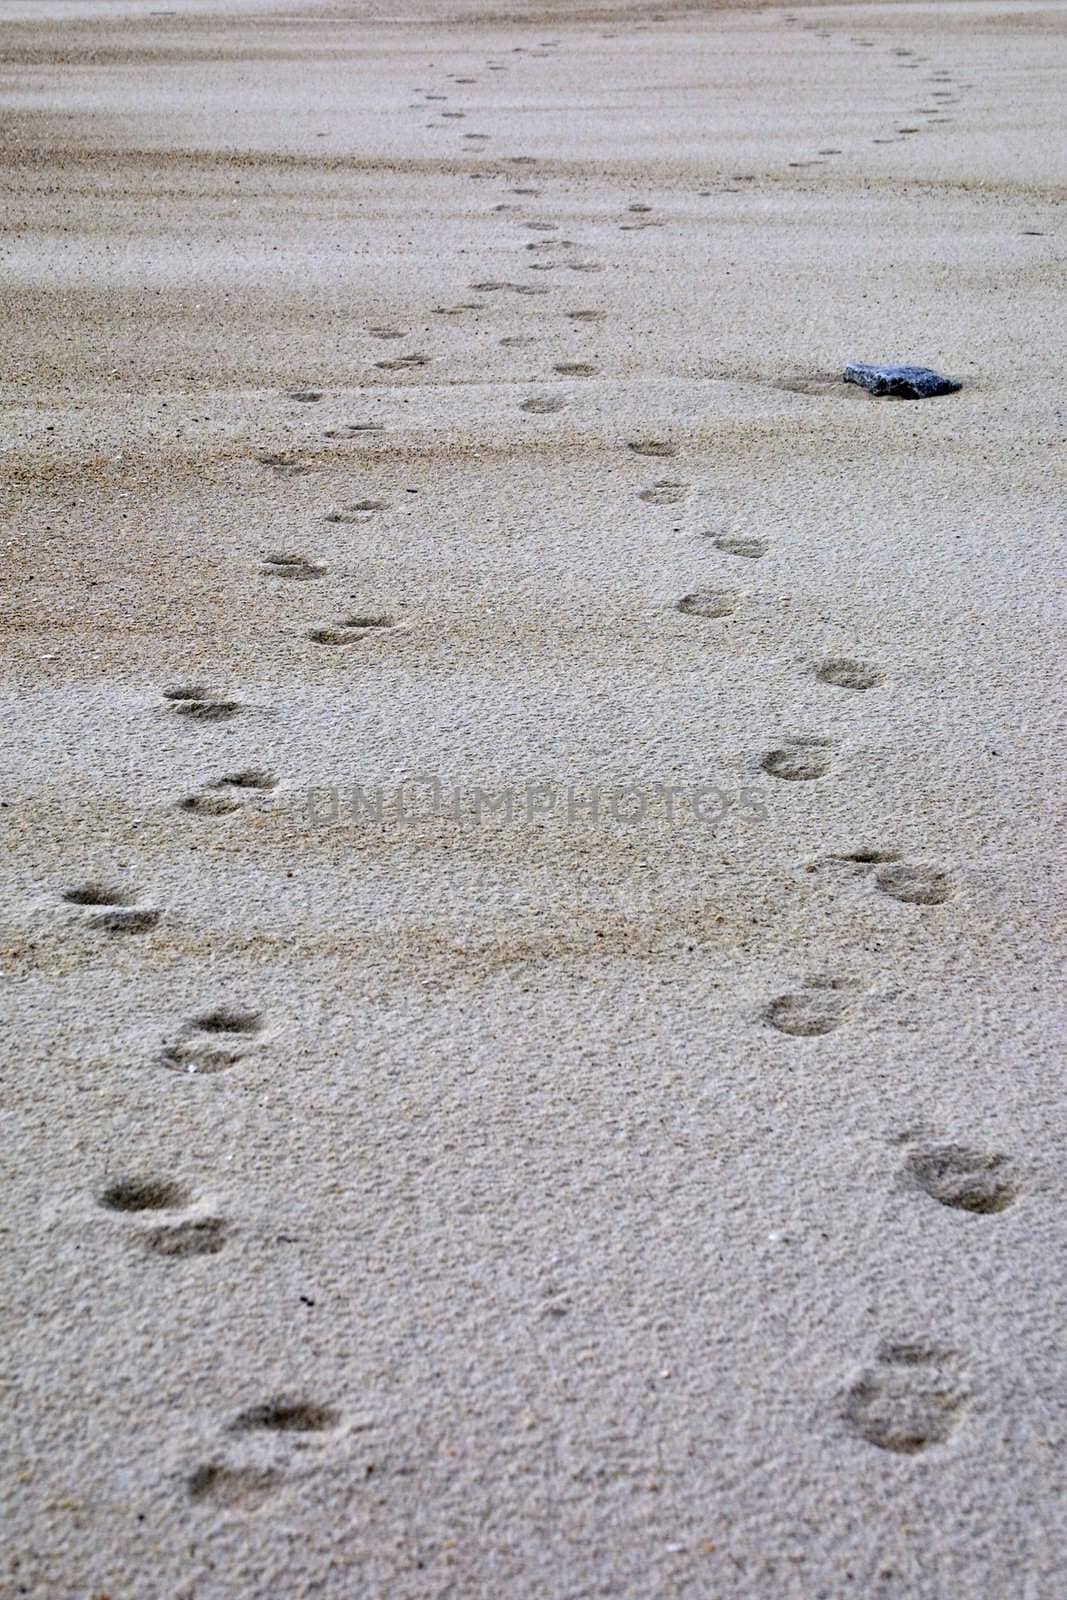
[{"x": 626, "y": 1158}]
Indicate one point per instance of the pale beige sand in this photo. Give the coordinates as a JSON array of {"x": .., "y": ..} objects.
[{"x": 527, "y": 1239}]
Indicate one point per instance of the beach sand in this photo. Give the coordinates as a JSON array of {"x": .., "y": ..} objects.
[{"x": 633, "y": 1167}]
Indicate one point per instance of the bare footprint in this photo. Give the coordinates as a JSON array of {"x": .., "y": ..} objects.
[
  {"x": 212, "y": 1042},
  {"x": 910, "y": 1398},
  {"x": 574, "y": 369},
  {"x": 799, "y": 760},
  {"x": 709, "y": 603},
  {"x": 200, "y": 703},
  {"x": 652, "y": 447},
  {"x": 357, "y": 512},
  {"x": 846, "y": 674},
  {"x": 290, "y": 566},
  {"x": 403, "y": 363},
  {"x": 283, "y": 462},
  {"x": 664, "y": 493},
  {"x": 354, "y": 629},
  {"x": 233, "y": 1488},
  {"x": 585, "y": 316},
  {"x": 806, "y": 1015},
  {"x": 112, "y": 908},
  {"x": 543, "y": 405},
  {"x": 962, "y": 1178},
  {"x": 197, "y": 1236},
  {"x": 750, "y": 548},
  {"x": 914, "y": 883},
  {"x": 308, "y": 396}
]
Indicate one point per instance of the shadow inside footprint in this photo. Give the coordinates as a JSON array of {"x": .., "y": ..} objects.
[
  {"x": 225, "y": 1028},
  {"x": 909, "y": 1398},
  {"x": 290, "y": 566},
  {"x": 98, "y": 894},
  {"x": 543, "y": 405},
  {"x": 964, "y": 1179},
  {"x": 143, "y": 1194},
  {"x": 285, "y": 1416}
]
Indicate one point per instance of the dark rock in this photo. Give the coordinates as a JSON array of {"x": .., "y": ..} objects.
[{"x": 905, "y": 383}]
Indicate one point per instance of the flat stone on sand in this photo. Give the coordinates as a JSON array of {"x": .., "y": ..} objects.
[{"x": 903, "y": 383}]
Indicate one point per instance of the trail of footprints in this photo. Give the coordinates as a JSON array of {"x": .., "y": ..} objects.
[{"x": 913, "y": 1393}]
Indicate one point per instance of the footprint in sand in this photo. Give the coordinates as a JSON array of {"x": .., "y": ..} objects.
[
  {"x": 914, "y": 883},
  {"x": 288, "y": 565},
  {"x": 233, "y": 1488},
  {"x": 708, "y": 603},
  {"x": 355, "y": 629},
  {"x": 574, "y": 369},
  {"x": 798, "y": 760},
  {"x": 403, "y": 363},
  {"x": 652, "y": 447},
  {"x": 241, "y": 1487},
  {"x": 911, "y": 1397},
  {"x": 665, "y": 492},
  {"x": 283, "y": 462},
  {"x": 357, "y": 512},
  {"x": 806, "y": 1015},
  {"x": 543, "y": 405},
  {"x": 307, "y": 396},
  {"x": 750, "y": 548},
  {"x": 213, "y": 1042},
  {"x": 388, "y": 333},
  {"x": 112, "y": 909},
  {"x": 585, "y": 316},
  {"x": 962, "y": 1178},
  {"x": 233, "y": 793},
  {"x": 180, "y": 1241},
  {"x": 200, "y": 703},
  {"x": 350, "y": 429},
  {"x": 846, "y": 674}
]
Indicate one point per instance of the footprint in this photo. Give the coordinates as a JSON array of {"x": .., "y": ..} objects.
[
  {"x": 574, "y": 369},
  {"x": 284, "y": 1415},
  {"x": 798, "y": 761},
  {"x": 915, "y": 884},
  {"x": 357, "y": 511},
  {"x": 117, "y": 912},
  {"x": 388, "y": 333},
  {"x": 806, "y": 1016},
  {"x": 200, "y": 703},
  {"x": 845, "y": 674},
  {"x": 911, "y": 1397},
  {"x": 283, "y": 462},
  {"x": 198, "y": 1236},
  {"x": 290, "y": 566},
  {"x": 543, "y": 405},
  {"x": 403, "y": 363},
  {"x": 233, "y": 1488},
  {"x": 350, "y": 430},
  {"x": 663, "y": 493},
  {"x": 306, "y": 395},
  {"x": 709, "y": 603},
  {"x": 143, "y": 1194},
  {"x": 965, "y": 1179},
  {"x": 750, "y": 548},
  {"x": 353, "y": 630},
  {"x": 652, "y": 447},
  {"x": 225, "y": 1029},
  {"x": 585, "y": 316}
]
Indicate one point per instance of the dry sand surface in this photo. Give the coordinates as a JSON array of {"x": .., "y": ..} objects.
[{"x": 658, "y": 1200}]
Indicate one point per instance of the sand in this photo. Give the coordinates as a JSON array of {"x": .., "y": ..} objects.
[{"x": 628, "y": 1161}]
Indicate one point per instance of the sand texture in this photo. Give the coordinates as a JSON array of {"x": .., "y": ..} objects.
[{"x": 532, "y": 881}]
